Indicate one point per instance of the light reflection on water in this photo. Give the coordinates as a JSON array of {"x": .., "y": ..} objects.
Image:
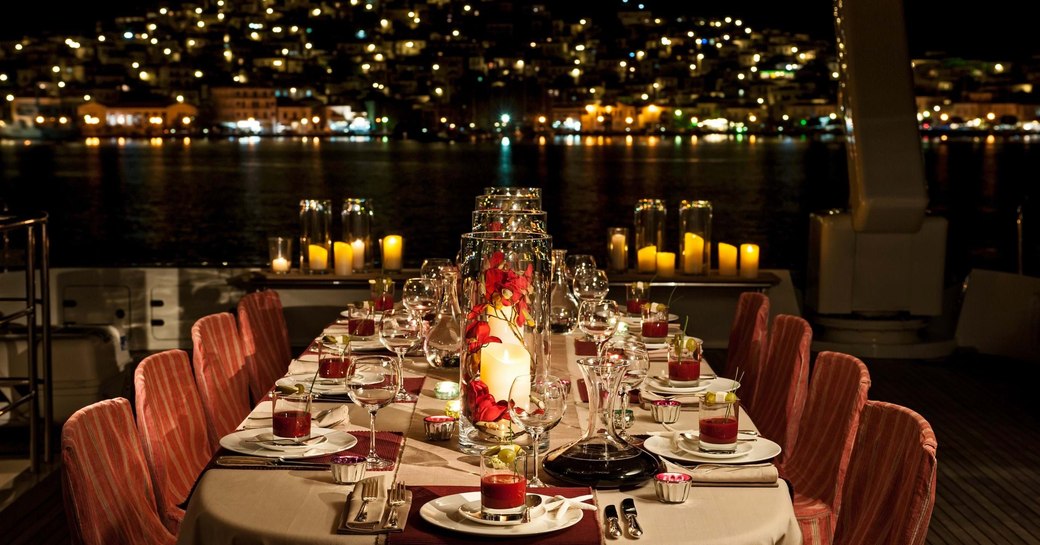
[{"x": 121, "y": 202}]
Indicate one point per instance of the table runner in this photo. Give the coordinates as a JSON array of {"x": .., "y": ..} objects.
[
  {"x": 420, "y": 532},
  {"x": 388, "y": 445}
]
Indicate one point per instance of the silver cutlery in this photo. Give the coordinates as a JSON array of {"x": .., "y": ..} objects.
[
  {"x": 396, "y": 498},
  {"x": 628, "y": 508},
  {"x": 612, "y": 522},
  {"x": 253, "y": 461},
  {"x": 369, "y": 493},
  {"x": 289, "y": 442}
]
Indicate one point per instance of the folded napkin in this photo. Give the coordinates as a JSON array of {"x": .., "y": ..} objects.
[
  {"x": 749, "y": 475},
  {"x": 377, "y": 514},
  {"x": 340, "y": 414},
  {"x": 560, "y": 505}
]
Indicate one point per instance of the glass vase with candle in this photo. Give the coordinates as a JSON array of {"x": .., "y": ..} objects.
[
  {"x": 280, "y": 251},
  {"x": 695, "y": 236},
  {"x": 505, "y": 295},
  {"x": 315, "y": 235},
  {"x": 532, "y": 221},
  {"x": 523, "y": 192},
  {"x": 650, "y": 216},
  {"x": 357, "y": 231},
  {"x": 617, "y": 249},
  {"x": 507, "y": 202}
]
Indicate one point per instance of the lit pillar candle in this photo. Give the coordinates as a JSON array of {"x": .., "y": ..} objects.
[
  {"x": 358, "y": 248},
  {"x": 693, "y": 254},
  {"x": 392, "y": 245},
  {"x": 317, "y": 257},
  {"x": 501, "y": 324},
  {"x": 501, "y": 363},
  {"x": 343, "y": 255},
  {"x": 727, "y": 259},
  {"x": 618, "y": 252},
  {"x": 647, "y": 258},
  {"x": 666, "y": 264},
  {"x": 749, "y": 260},
  {"x": 280, "y": 265}
]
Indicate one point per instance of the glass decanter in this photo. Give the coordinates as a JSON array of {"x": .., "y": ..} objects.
[
  {"x": 601, "y": 459},
  {"x": 563, "y": 308},
  {"x": 444, "y": 341}
]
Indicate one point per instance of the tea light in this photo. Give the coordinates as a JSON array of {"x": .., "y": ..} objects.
[
  {"x": 317, "y": 257},
  {"x": 453, "y": 408},
  {"x": 647, "y": 259},
  {"x": 693, "y": 254},
  {"x": 358, "y": 247},
  {"x": 446, "y": 390},
  {"x": 348, "y": 469},
  {"x": 666, "y": 264},
  {"x": 392, "y": 247},
  {"x": 439, "y": 428},
  {"x": 665, "y": 411},
  {"x": 630, "y": 417},
  {"x": 343, "y": 255},
  {"x": 280, "y": 265},
  {"x": 727, "y": 259},
  {"x": 749, "y": 260},
  {"x": 672, "y": 487}
]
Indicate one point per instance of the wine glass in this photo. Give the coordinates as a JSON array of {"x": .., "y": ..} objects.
[
  {"x": 599, "y": 320},
  {"x": 420, "y": 296},
  {"x": 590, "y": 284},
  {"x": 400, "y": 331},
  {"x": 372, "y": 384},
  {"x": 431, "y": 268},
  {"x": 578, "y": 261},
  {"x": 536, "y": 404},
  {"x": 634, "y": 352}
]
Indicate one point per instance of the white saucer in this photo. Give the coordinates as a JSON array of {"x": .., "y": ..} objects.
[
  {"x": 690, "y": 446},
  {"x": 719, "y": 384},
  {"x": 444, "y": 512},
  {"x": 270, "y": 442},
  {"x": 471, "y": 510},
  {"x": 335, "y": 441},
  {"x": 760, "y": 450}
]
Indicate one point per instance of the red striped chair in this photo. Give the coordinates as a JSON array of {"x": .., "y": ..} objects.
[
  {"x": 108, "y": 494},
  {"x": 747, "y": 340},
  {"x": 890, "y": 486},
  {"x": 817, "y": 464},
  {"x": 265, "y": 339},
  {"x": 173, "y": 429},
  {"x": 783, "y": 381},
  {"x": 220, "y": 373}
]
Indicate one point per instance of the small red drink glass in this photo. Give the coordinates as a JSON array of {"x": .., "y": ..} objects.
[
  {"x": 637, "y": 295},
  {"x": 292, "y": 416},
  {"x": 655, "y": 321},
  {"x": 718, "y": 424},
  {"x": 503, "y": 481}
]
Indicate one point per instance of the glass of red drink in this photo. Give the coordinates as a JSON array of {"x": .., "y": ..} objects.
[
  {"x": 333, "y": 360},
  {"x": 637, "y": 294},
  {"x": 655, "y": 321},
  {"x": 382, "y": 289},
  {"x": 361, "y": 323},
  {"x": 684, "y": 363},
  {"x": 719, "y": 422},
  {"x": 503, "y": 481},
  {"x": 292, "y": 416}
]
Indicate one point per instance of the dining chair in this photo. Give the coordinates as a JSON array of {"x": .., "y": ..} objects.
[
  {"x": 220, "y": 373},
  {"x": 783, "y": 381},
  {"x": 107, "y": 491},
  {"x": 265, "y": 340},
  {"x": 747, "y": 340},
  {"x": 173, "y": 430},
  {"x": 817, "y": 463},
  {"x": 890, "y": 485}
]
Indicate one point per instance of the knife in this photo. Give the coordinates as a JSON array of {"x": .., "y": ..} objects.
[
  {"x": 628, "y": 508},
  {"x": 613, "y": 525}
]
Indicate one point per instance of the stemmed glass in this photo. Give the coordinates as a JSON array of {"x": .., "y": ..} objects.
[
  {"x": 634, "y": 352},
  {"x": 599, "y": 320},
  {"x": 431, "y": 267},
  {"x": 400, "y": 331},
  {"x": 590, "y": 284},
  {"x": 372, "y": 384},
  {"x": 420, "y": 296},
  {"x": 536, "y": 404}
]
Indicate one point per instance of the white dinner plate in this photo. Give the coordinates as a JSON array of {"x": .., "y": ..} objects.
[
  {"x": 270, "y": 442},
  {"x": 637, "y": 319},
  {"x": 444, "y": 512},
  {"x": 760, "y": 450},
  {"x": 358, "y": 344},
  {"x": 471, "y": 511},
  {"x": 719, "y": 384},
  {"x": 335, "y": 441}
]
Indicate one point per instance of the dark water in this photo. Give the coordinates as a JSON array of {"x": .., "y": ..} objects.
[{"x": 215, "y": 202}]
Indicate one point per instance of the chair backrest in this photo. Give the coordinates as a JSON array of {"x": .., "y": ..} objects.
[
  {"x": 220, "y": 373},
  {"x": 817, "y": 464},
  {"x": 265, "y": 340},
  {"x": 747, "y": 339},
  {"x": 782, "y": 382},
  {"x": 107, "y": 490},
  {"x": 890, "y": 487},
  {"x": 173, "y": 429}
]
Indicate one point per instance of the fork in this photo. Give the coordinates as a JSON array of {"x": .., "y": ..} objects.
[
  {"x": 369, "y": 492},
  {"x": 396, "y": 499}
]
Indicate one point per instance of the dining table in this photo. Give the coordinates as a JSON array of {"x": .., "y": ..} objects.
[{"x": 292, "y": 505}]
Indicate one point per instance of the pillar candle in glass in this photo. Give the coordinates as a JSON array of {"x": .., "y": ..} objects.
[
  {"x": 646, "y": 259},
  {"x": 666, "y": 264},
  {"x": 393, "y": 248},
  {"x": 649, "y": 223},
  {"x": 749, "y": 260},
  {"x": 695, "y": 236},
  {"x": 280, "y": 251},
  {"x": 727, "y": 259},
  {"x": 315, "y": 235},
  {"x": 357, "y": 230},
  {"x": 343, "y": 258},
  {"x": 617, "y": 249}
]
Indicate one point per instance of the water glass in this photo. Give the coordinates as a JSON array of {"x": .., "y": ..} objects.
[
  {"x": 377, "y": 380},
  {"x": 291, "y": 418},
  {"x": 590, "y": 284},
  {"x": 503, "y": 481},
  {"x": 280, "y": 252},
  {"x": 719, "y": 421}
]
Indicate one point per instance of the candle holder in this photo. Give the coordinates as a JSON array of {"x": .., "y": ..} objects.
[
  {"x": 280, "y": 251},
  {"x": 357, "y": 231},
  {"x": 650, "y": 216},
  {"x": 531, "y": 221},
  {"x": 446, "y": 390},
  {"x": 617, "y": 249},
  {"x": 523, "y": 192},
  {"x": 507, "y": 202},
  {"x": 695, "y": 236},
  {"x": 315, "y": 239},
  {"x": 392, "y": 250}
]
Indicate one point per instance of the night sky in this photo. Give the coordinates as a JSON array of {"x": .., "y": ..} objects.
[{"x": 1000, "y": 32}]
